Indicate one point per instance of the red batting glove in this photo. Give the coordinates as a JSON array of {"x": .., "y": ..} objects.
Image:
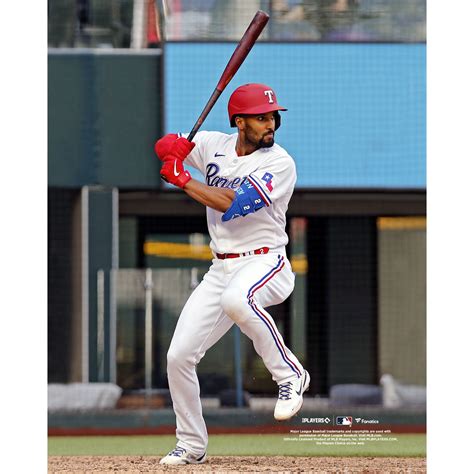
[
  {"x": 173, "y": 172},
  {"x": 163, "y": 145},
  {"x": 172, "y": 145},
  {"x": 180, "y": 149}
]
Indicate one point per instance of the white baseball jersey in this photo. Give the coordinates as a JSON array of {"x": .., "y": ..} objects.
[{"x": 273, "y": 173}]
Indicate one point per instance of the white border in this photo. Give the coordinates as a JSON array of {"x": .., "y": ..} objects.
[
  {"x": 23, "y": 249},
  {"x": 450, "y": 235}
]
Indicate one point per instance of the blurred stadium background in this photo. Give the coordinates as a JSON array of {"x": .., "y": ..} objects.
[{"x": 125, "y": 251}]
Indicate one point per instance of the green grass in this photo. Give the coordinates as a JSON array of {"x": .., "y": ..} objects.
[{"x": 228, "y": 445}]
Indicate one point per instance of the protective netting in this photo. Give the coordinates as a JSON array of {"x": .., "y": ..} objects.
[
  {"x": 61, "y": 261},
  {"x": 402, "y": 298},
  {"x": 367, "y": 291},
  {"x": 358, "y": 310}
]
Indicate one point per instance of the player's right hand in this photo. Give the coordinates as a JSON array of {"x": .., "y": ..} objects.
[{"x": 173, "y": 172}]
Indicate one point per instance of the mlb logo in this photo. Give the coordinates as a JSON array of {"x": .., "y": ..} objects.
[
  {"x": 267, "y": 177},
  {"x": 344, "y": 420}
]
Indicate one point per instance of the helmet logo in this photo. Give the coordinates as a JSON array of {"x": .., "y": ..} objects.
[{"x": 269, "y": 93}]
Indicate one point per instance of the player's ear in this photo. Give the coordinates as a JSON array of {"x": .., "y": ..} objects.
[{"x": 240, "y": 122}]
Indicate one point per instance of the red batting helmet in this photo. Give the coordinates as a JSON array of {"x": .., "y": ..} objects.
[{"x": 253, "y": 99}]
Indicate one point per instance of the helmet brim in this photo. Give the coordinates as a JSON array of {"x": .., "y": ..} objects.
[{"x": 256, "y": 111}]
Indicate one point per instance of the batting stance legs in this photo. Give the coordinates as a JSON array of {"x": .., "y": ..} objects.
[{"x": 233, "y": 291}]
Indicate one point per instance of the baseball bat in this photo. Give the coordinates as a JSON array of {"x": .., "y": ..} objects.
[{"x": 241, "y": 51}]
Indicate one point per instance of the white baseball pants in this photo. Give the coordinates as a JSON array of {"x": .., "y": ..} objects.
[{"x": 236, "y": 291}]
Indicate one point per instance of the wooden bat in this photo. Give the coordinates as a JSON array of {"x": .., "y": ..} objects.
[{"x": 241, "y": 51}]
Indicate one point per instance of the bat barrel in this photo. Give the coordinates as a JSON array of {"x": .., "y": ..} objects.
[
  {"x": 241, "y": 51},
  {"x": 243, "y": 48}
]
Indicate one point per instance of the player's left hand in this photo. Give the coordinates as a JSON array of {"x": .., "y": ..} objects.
[
  {"x": 171, "y": 145},
  {"x": 180, "y": 149},
  {"x": 173, "y": 172},
  {"x": 163, "y": 145}
]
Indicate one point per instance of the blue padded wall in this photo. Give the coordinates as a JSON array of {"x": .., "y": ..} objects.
[{"x": 357, "y": 112}]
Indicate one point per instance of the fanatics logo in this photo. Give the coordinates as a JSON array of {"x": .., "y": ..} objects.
[
  {"x": 363, "y": 421},
  {"x": 267, "y": 177}
]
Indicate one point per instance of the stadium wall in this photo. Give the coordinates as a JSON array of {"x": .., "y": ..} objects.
[{"x": 104, "y": 115}]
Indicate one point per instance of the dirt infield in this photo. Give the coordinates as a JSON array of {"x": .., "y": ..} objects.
[{"x": 234, "y": 464}]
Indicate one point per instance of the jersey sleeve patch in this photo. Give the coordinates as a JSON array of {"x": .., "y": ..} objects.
[
  {"x": 267, "y": 177},
  {"x": 261, "y": 186}
]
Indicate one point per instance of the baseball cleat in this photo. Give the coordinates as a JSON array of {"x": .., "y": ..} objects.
[
  {"x": 181, "y": 456},
  {"x": 290, "y": 397}
]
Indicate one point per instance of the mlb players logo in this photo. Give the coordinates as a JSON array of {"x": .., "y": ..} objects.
[
  {"x": 267, "y": 177},
  {"x": 344, "y": 420}
]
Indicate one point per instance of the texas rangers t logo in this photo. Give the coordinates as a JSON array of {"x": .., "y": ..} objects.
[{"x": 269, "y": 93}]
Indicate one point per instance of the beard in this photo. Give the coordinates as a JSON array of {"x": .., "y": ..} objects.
[{"x": 265, "y": 144}]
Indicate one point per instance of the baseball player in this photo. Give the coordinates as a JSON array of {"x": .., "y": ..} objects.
[{"x": 249, "y": 180}]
